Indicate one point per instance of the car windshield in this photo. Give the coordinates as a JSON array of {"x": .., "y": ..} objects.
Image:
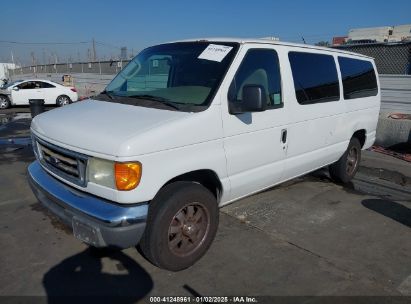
[
  {"x": 182, "y": 75},
  {"x": 11, "y": 84}
]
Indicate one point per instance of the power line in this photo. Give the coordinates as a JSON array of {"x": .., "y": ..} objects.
[
  {"x": 108, "y": 45},
  {"x": 42, "y": 43}
]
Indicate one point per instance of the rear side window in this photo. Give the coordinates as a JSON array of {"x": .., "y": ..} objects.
[
  {"x": 46, "y": 85},
  {"x": 259, "y": 67},
  {"x": 315, "y": 77},
  {"x": 358, "y": 78}
]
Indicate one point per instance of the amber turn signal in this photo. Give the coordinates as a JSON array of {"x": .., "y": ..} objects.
[{"x": 127, "y": 175}]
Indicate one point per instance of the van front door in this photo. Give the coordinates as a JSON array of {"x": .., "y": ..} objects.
[{"x": 255, "y": 143}]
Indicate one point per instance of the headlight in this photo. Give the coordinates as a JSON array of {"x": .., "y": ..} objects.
[
  {"x": 101, "y": 172},
  {"x": 115, "y": 175}
]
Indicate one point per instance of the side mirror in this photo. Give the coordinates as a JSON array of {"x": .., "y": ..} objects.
[
  {"x": 254, "y": 100},
  {"x": 16, "y": 88}
]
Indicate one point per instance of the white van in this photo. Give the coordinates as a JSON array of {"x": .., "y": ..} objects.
[{"x": 187, "y": 127}]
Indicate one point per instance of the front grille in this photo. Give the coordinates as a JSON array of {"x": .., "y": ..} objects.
[{"x": 67, "y": 164}]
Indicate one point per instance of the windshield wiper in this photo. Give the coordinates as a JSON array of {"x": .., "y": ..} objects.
[
  {"x": 107, "y": 94},
  {"x": 161, "y": 100}
]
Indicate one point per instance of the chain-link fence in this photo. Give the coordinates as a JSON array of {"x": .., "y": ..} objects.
[
  {"x": 98, "y": 67},
  {"x": 390, "y": 58}
]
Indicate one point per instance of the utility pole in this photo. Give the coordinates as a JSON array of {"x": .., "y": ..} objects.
[
  {"x": 44, "y": 56},
  {"x": 94, "y": 50},
  {"x": 12, "y": 57},
  {"x": 33, "y": 62},
  {"x": 55, "y": 62},
  {"x": 12, "y": 60}
]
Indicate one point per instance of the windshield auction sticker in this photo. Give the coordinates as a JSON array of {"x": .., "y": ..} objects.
[{"x": 215, "y": 52}]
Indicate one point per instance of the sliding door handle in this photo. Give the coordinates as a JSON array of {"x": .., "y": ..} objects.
[{"x": 284, "y": 136}]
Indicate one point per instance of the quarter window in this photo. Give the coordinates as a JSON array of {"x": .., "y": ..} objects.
[
  {"x": 315, "y": 77},
  {"x": 259, "y": 67},
  {"x": 46, "y": 85},
  {"x": 358, "y": 78}
]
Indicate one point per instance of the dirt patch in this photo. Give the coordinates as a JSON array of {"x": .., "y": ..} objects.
[
  {"x": 388, "y": 175},
  {"x": 55, "y": 221}
]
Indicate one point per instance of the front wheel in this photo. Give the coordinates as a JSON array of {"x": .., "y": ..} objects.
[
  {"x": 344, "y": 170},
  {"x": 181, "y": 225},
  {"x": 63, "y": 100},
  {"x": 4, "y": 102}
]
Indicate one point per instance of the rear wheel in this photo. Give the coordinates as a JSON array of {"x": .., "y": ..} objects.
[
  {"x": 344, "y": 170},
  {"x": 181, "y": 225},
  {"x": 4, "y": 102},
  {"x": 63, "y": 100}
]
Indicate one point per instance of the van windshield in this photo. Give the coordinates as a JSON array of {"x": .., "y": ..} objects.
[{"x": 180, "y": 76}]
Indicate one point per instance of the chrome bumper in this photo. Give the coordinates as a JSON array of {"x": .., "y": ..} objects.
[{"x": 94, "y": 220}]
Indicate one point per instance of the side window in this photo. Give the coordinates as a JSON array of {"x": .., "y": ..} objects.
[
  {"x": 27, "y": 85},
  {"x": 259, "y": 67},
  {"x": 315, "y": 77},
  {"x": 46, "y": 85},
  {"x": 358, "y": 78}
]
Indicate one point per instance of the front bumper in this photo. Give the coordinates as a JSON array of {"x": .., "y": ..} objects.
[{"x": 94, "y": 220}]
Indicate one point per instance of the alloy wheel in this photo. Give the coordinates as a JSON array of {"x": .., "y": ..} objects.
[
  {"x": 352, "y": 160},
  {"x": 188, "y": 229}
]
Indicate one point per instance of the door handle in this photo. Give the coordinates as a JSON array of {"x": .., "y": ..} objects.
[{"x": 284, "y": 136}]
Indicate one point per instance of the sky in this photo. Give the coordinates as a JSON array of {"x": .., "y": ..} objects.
[{"x": 50, "y": 29}]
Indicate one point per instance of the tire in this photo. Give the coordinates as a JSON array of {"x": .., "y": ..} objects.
[
  {"x": 4, "y": 102},
  {"x": 63, "y": 100},
  {"x": 344, "y": 170},
  {"x": 181, "y": 225}
]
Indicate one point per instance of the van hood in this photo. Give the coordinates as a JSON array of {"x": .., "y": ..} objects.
[{"x": 101, "y": 127}]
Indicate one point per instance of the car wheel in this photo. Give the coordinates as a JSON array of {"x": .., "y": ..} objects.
[
  {"x": 63, "y": 100},
  {"x": 181, "y": 225},
  {"x": 344, "y": 170},
  {"x": 4, "y": 102}
]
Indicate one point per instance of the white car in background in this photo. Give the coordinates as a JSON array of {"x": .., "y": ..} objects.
[{"x": 21, "y": 91}]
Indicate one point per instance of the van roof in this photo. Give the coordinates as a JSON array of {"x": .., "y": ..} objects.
[{"x": 274, "y": 42}]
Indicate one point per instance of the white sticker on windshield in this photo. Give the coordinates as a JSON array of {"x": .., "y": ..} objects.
[{"x": 215, "y": 52}]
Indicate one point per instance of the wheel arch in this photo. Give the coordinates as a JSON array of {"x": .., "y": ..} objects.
[
  {"x": 7, "y": 97},
  {"x": 62, "y": 95},
  {"x": 361, "y": 135},
  {"x": 206, "y": 177}
]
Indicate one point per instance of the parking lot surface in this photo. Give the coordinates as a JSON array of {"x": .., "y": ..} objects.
[{"x": 307, "y": 237}]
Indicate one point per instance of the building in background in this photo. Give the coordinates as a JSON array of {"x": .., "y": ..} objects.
[
  {"x": 398, "y": 33},
  {"x": 339, "y": 40},
  {"x": 5, "y": 70},
  {"x": 123, "y": 53},
  {"x": 401, "y": 33},
  {"x": 371, "y": 34}
]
